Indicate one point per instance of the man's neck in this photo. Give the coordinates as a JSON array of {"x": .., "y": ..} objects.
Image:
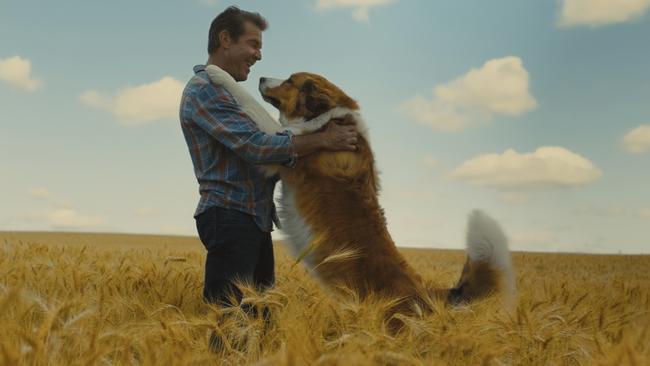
[
  {"x": 213, "y": 60},
  {"x": 219, "y": 61}
]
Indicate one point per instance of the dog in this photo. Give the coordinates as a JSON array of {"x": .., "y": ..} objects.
[{"x": 330, "y": 212}]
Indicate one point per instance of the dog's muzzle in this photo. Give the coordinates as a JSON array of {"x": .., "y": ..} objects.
[{"x": 267, "y": 83}]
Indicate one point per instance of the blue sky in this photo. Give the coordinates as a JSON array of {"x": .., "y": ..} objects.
[{"x": 536, "y": 112}]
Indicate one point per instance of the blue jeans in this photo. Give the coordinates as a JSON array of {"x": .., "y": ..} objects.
[{"x": 236, "y": 249}]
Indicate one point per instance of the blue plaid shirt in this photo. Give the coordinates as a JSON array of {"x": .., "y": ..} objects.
[{"x": 225, "y": 145}]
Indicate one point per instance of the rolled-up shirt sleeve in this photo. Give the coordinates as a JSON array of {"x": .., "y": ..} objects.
[{"x": 222, "y": 118}]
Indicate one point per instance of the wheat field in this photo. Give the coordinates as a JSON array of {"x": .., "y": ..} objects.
[{"x": 107, "y": 299}]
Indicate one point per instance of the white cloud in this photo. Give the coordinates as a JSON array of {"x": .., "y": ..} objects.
[
  {"x": 499, "y": 87},
  {"x": 548, "y": 166},
  {"x": 59, "y": 219},
  {"x": 614, "y": 211},
  {"x": 546, "y": 240},
  {"x": 637, "y": 141},
  {"x": 535, "y": 240},
  {"x": 430, "y": 162},
  {"x": 147, "y": 211},
  {"x": 39, "y": 193},
  {"x": 600, "y": 12},
  {"x": 44, "y": 196},
  {"x": 92, "y": 98},
  {"x": 359, "y": 7},
  {"x": 140, "y": 104},
  {"x": 414, "y": 194},
  {"x": 17, "y": 72},
  {"x": 55, "y": 214},
  {"x": 513, "y": 198},
  {"x": 188, "y": 230},
  {"x": 68, "y": 218}
]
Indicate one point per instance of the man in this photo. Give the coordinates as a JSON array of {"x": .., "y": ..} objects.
[{"x": 235, "y": 213}]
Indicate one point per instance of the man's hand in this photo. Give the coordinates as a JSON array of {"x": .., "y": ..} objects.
[{"x": 340, "y": 136}]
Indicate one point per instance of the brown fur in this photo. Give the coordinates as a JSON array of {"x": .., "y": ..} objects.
[{"x": 336, "y": 193}]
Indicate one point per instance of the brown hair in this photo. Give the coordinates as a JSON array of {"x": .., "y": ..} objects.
[{"x": 232, "y": 21}]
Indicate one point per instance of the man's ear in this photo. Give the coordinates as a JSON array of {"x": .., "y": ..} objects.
[{"x": 224, "y": 39}]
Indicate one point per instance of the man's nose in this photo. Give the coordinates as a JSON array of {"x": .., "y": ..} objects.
[{"x": 258, "y": 55}]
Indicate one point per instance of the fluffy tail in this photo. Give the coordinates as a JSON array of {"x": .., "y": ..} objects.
[{"x": 488, "y": 268}]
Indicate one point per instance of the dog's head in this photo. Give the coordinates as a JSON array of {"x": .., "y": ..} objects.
[{"x": 303, "y": 96}]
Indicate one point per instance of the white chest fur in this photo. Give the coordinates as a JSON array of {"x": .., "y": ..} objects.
[{"x": 298, "y": 234}]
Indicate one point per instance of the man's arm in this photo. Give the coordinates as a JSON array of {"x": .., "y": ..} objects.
[
  {"x": 218, "y": 114},
  {"x": 335, "y": 137}
]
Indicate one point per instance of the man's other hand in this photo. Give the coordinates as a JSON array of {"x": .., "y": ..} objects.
[{"x": 340, "y": 135}]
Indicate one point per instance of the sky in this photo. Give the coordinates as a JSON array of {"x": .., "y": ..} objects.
[{"x": 535, "y": 111}]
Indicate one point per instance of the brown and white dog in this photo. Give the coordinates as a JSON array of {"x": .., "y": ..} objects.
[{"x": 331, "y": 215}]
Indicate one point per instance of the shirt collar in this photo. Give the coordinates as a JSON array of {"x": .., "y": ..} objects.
[{"x": 199, "y": 68}]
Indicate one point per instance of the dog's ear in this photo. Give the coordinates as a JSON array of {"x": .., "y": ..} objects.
[
  {"x": 307, "y": 87},
  {"x": 316, "y": 101}
]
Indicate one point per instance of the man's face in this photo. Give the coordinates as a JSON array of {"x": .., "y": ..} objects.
[{"x": 243, "y": 53}]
